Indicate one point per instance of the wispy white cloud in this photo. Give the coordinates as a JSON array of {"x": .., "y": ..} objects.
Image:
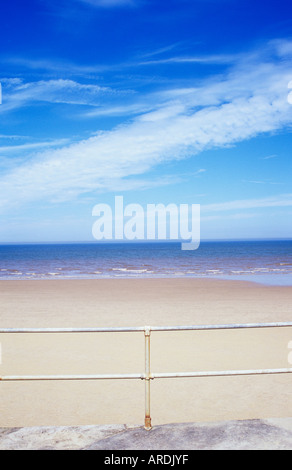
[
  {"x": 249, "y": 100},
  {"x": 119, "y": 109},
  {"x": 282, "y": 200},
  {"x": 5, "y": 149},
  {"x": 159, "y": 51},
  {"x": 50, "y": 66},
  {"x": 13, "y": 137},
  {"x": 209, "y": 59},
  {"x": 261, "y": 182},
  {"x": 269, "y": 157},
  {"x": 19, "y": 93}
]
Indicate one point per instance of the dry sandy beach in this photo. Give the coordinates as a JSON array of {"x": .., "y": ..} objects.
[{"x": 139, "y": 302}]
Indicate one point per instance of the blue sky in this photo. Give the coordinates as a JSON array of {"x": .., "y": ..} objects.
[{"x": 184, "y": 101}]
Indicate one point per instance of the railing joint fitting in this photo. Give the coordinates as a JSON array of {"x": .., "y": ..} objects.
[
  {"x": 147, "y": 330},
  {"x": 149, "y": 377}
]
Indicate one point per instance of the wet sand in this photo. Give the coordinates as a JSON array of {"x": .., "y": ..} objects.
[{"x": 139, "y": 302}]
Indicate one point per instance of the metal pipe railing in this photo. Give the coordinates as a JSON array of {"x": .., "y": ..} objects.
[
  {"x": 125, "y": 329},
  {"x": 147, "y": 378},
  {"x": 147, "y": 375}
]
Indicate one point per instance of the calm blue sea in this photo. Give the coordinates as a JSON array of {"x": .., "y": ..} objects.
[{"x": 268, "y": 262}]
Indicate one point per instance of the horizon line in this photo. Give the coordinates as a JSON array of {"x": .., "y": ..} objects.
[{"x": 123, "y": 242}]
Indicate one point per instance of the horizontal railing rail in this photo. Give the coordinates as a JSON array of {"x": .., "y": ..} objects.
[
  {"x": 125, "y": 329},
  {"x": 147, "y": 375}
]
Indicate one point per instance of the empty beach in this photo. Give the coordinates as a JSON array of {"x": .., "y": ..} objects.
[{"x": 138, "y": 302}]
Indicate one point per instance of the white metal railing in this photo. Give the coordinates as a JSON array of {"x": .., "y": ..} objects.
[{"x": 146, "y": 375}]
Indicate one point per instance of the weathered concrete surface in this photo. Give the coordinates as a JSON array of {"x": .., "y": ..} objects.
[
  {"x": 56, "y": 437},
  {"x": 268, "y": 434},
  {"x": 250, "y": 434}
]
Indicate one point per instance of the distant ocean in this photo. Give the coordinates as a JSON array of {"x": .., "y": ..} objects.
[{"x": 268, "y": 262}]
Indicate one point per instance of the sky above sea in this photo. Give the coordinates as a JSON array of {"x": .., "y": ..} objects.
[{"x": 179, "y": 101}]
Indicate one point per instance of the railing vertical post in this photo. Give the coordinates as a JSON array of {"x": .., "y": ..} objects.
[{"x": 147, "y": 426}]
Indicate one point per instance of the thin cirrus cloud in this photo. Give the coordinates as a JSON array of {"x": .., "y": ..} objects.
[
  {"x": 18, "y": 93},
  {"x": 48, "y": 66},
  {"x": 282, "y": 200},
  {"x": 31, "y": 146},
  {"x": 269, "y": 157},
  {"x": 210, "y": 59},
  {"x": 247, "y": 101}
]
